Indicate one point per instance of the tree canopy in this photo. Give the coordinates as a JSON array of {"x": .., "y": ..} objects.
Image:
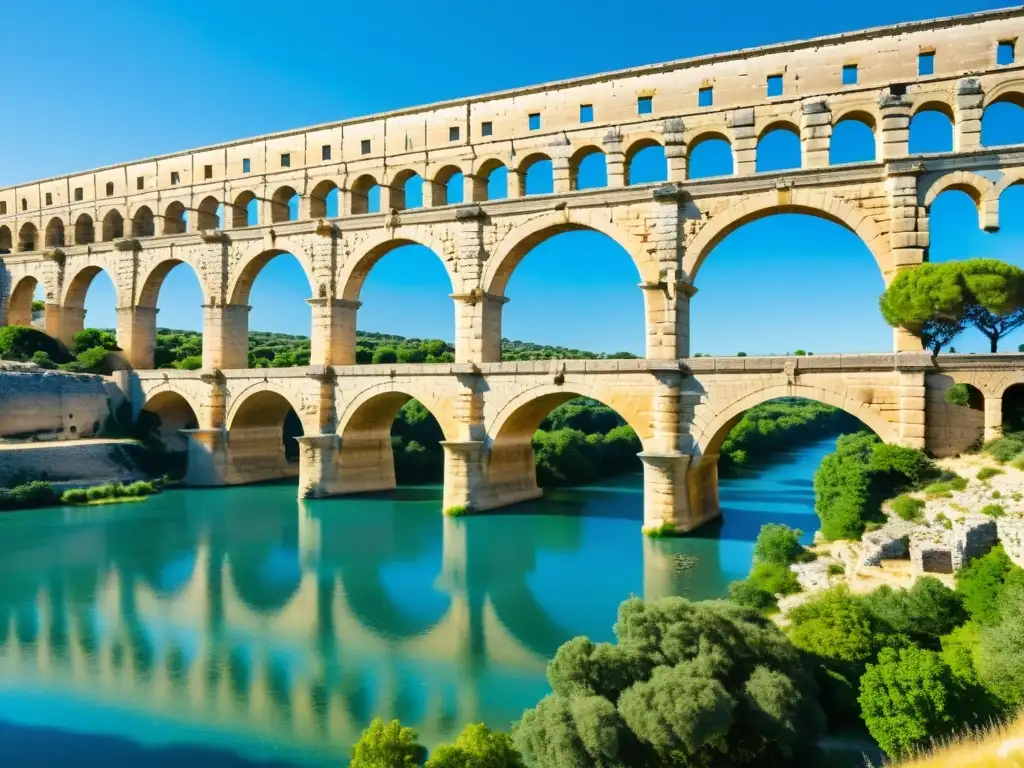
[{"x": 937, "y": 301}]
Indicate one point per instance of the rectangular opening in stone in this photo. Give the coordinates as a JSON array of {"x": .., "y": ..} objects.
[
  {"x": 534, "y": 120},
  {"x": 586, "y": 113},
  {"x": 926, "y": 63},
  {"x": 849, "y": 74},
  {"x": 706, "y": 96},
  {"x": 774, "y": 85},
  {"x": 644, "y": 105}
]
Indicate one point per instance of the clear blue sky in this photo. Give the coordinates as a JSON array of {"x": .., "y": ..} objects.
[{"x": 123, "y": 80}]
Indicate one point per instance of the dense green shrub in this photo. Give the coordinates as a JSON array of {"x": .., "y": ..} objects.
[
  {"x": 852, "y": 482},
  {"x": 1005, "y": 448},
  {"x": 477, "y": 747},
  {"x": 965, "y": 396},
  {"x": 986, "y": 473},
  {"x": 21, "y": 342},
  {"x": 999, "y": 658},
  {"x": 745, "y": 592},
  {"x": 909, "y": 698},
  {"x": 43, "y": 360},
  {"x": 993, "y": 510},
  {"x": 835, "y": 626},
  {"x": 95, "y": 360},
  {"x": 908, "y": 508},
  {"x": 923, "y": 613},
  {"x": 710, "y": 684},
  {"x": 28, "y": 496},
  {"x": 387, "y": 746},
  {"x": 74, "y": 496},
  {"x": 982, "y": 582},
  {"x": 778, "y": 544},
  {"x": 776, "y": 548}
]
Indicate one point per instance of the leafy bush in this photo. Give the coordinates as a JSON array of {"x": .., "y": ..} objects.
[
  {"x": 993, "y": 510},
  {"x": 95, "y": 360},
  {"x": 852, "y": 482},
  {"x": 477, "y": 747},
  {"x": 999, "y": 658},
  {"x": 835, "y": 569},
  {"x": 709, "y": 684},
  {"x": 774, "y": 578},
  {"x": 923, "y": 613},
  {"x": 28, "y": 496},
  {"x": 21, "y": 342},
  {"x": 908, "y": 508},
  {"x": 965, "y": 396},
  {"x": 387, "y": 746},
  {"x": 751, "y": 595},
  {"x": 982, "y": 582},
  {"x": 74, "y": 496},
  {"x": 909, "y": 698},
  {"x": 1005, "y": 448},
  {"x": 778, "y": 544},
  {"x": 43, "y": 360},
  {"x": 988, "y": 472},
  {"x": 835, "y": 626}
]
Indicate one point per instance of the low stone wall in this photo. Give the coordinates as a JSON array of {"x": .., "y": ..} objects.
[{"x": 36, "y": 404}]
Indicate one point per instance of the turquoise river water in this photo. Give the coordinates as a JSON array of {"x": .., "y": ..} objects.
[{"x": 239, "y": 627}]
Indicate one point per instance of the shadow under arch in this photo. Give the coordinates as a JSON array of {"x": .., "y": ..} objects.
[
  {"x": 510, "y": 459},
  {"x": 366, "y": 461},
  {"x": 523, "y": 616},
  {"x": 261, "y": 431},
  {"x": 266, "y": 575},
  {"x": 164, "y": 414}
]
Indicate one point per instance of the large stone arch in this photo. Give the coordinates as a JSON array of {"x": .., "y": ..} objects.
[
  {"x": 175, "y": 410},
  {"x": 509, "y": 461},
  {"x": 990, "y": 202},
  {"x": 357, "y": 266},
  {"x": 440, "y": 404},
  {"x": 79, "y": 275},
  {"x": 514, "y": 246},
  {"x": 253, "y": 257},
  {"x": 1011, "y": 89},
  {"x": 634, "y": 408},
  {"x": 977, "y": 187},
  {"x": 708, "y": 438},
  {"x": 258, "y": 389},
  {"x": 153, "y": 273},
  {"x": 365, "y": 461},
  {"x": 815, "y": 203}
]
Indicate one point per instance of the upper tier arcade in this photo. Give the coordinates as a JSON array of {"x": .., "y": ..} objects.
[{"x": 227, "y": 209}]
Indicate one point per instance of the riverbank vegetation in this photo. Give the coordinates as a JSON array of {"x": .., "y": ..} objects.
[
  {"x": 852, "y": 482},
  {"x": 39, "y": 493},
  {"x": 778, "y": 425},
  {"x": 109, "y": 492}
]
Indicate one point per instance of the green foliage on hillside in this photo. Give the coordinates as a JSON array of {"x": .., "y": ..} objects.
[
  {"x": 22, "y": 343},
  {"x": 184, "y": 349},
  {"x": 852, "y": 482},
  {"x": 778, "y": 425}
]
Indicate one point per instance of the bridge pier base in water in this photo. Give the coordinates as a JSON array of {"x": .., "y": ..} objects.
[{"x": 680, "y": 491}]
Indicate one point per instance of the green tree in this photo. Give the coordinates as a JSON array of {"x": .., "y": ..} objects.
[
  {"x": 90, "y": 338},
  {"x": 710, "y": 684},
  {"x": 996, "y": 303},
  {"x": 387, "y": 746},
  {"x": 21, "y": 342},
  {"x": 909, "y": 698},
  {"x": 477, "y": 747},
  {"x": 999, "y": 657},
  {"x": 385, "y": 355},
  {"x": 982, "y": 582},
  {"x": 835, "y": 626},
  {"x": 929, "y": 301},
  {"x": 778, "y": 544},
  {"x": 925, "y": 612}
]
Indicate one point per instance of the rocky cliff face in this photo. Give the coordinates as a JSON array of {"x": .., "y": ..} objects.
[{"x": 37, "y": 404}]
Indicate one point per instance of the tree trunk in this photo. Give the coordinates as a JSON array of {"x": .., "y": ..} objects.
[{"x": 993, "y": 343}]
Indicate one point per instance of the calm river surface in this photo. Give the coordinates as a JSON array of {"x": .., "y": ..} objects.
[{"x": 238, "y": 627}]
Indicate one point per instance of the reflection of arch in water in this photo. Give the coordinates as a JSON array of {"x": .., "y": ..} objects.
[
  {"x": 375, "y": 609},
  {"x": 265, "y": 578},
  {"x": 522, "y": 615}
]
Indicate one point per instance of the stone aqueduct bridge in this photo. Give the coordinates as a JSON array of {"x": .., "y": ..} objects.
[{"x": 138, "y": 220}]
